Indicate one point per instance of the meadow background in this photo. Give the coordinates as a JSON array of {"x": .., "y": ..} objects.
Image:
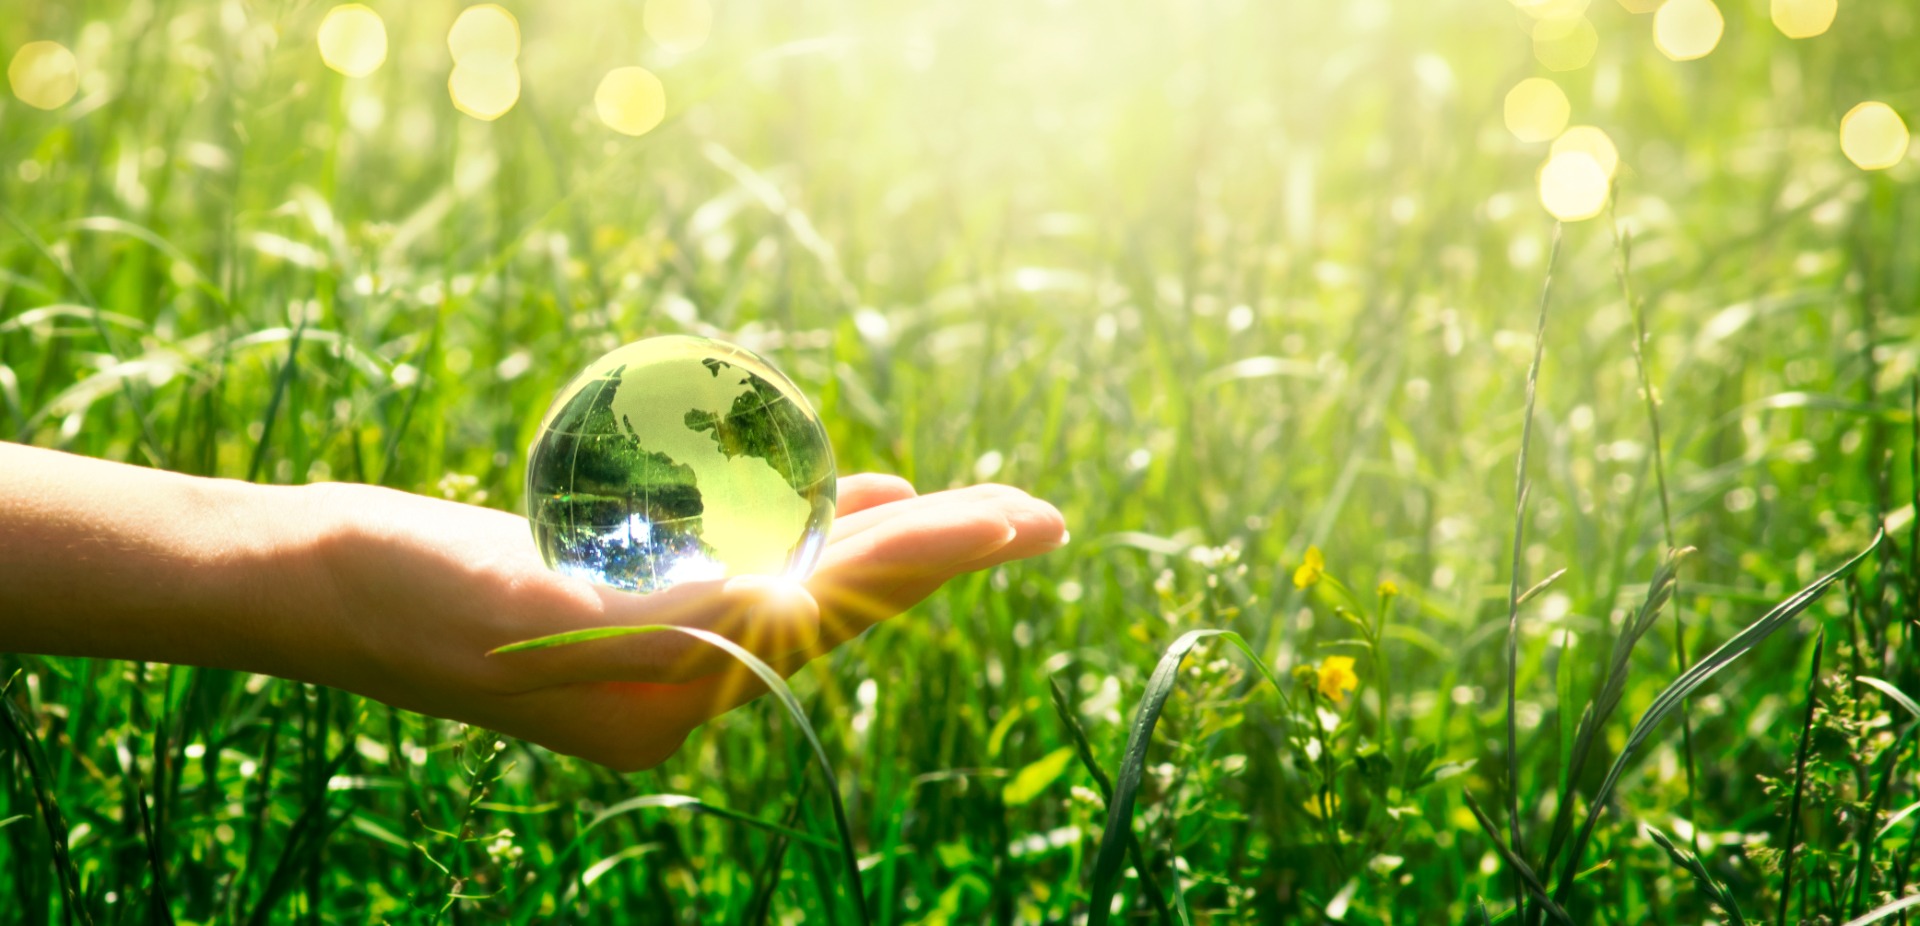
[{"x": 1249, "y": 289}]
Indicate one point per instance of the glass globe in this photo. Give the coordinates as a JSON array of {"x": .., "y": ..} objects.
[{"x": 680, "y": 458}]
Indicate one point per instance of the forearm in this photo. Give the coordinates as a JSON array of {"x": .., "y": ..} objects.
[{"x": 109, "y": 560}]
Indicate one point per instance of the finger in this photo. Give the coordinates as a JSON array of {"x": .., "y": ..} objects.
[
  {"x": 896, "y": 562},
  {"x": 769, "y": 617},
  {"x": 923, "y": 536},
  {"x": 854, "y": 524},
  {"x": 855, "y": 584},
  {"x": 1032, "y": 541},
  {"x": 1038, "y": 527},
  {"x": 935, "y": 534},
  {"x": 859, "y": 587},
  {"x": 861, "y": 491}
]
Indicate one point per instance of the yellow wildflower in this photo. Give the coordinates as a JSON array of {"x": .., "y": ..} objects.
[
  {"x": 1311, "y": 569},
  {"x": 1388, "y": 589},
  {"x": 1322, "y": 807},
  {"x": 1337, "y": 678}
]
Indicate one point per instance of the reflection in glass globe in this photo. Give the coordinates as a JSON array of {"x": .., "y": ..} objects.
[{"x": 680, "y": 458}]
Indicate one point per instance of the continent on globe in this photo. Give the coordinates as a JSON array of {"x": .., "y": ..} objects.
[{"x": 680, "y": 458}]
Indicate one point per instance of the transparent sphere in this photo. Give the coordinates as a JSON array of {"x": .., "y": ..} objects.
[{"x": 680, "y": 458}]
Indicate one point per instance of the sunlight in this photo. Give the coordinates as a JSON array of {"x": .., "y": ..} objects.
[
  {"x": 1594, "y": 142},
  {"x": 1688, "y": 29},
  {"x": 1573, "y": 186},
  {"x": 487, "y": 29},
  {"x": 1176, "y": 392},
  {"x": 630, "y": 100},
  {"x": 484, "y": 86},
  {"x": 353, "y": 40},
  {"x": 1553, "y": 9},
  {"x": 44, "y": 75},
  {"x": 1804, "y": 19},
  {"x": 1873, "y": 136},
  {"x": 1564, "y": 44},
  {"x": 681, "y": 25},
  {"x": 1536, "y": 109}
]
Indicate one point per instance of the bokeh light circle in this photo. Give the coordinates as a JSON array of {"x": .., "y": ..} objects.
[
  {"x": 1553, "y": 9},
  {"x": 1565, "y": 44},
  {"x": 1873, "y": 136},
  {"x": 631, "y": 100},
  {"x": 1687, "y": 29},
  {"x": 1536, "y": 109},
  {"x": 682, "y": 25},
  {"x": 1573, "y": 186},
  {"x": 484, "y": 86},
  {"x": 44, "y": 75},
  {"x": 353, "y": 40},
  {"x": 484, "y": 30},
  {"x": 1594, "y": 142},
  {"x": 1803, "y": 19}
]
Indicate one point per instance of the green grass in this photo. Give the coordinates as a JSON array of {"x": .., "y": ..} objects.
[{"x": 1224, "y": 280}]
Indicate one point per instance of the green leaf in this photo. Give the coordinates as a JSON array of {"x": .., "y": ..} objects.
[
  {"x": 954, "y": 855},
  {"x": 1029, "y": 782}
]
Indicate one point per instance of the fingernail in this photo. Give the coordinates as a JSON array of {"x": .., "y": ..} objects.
[{"x": 990, "y": 548}]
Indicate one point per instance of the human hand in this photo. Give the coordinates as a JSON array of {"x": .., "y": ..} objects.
[{"x": 411, "y": 594}]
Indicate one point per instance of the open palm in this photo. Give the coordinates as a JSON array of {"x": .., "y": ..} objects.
[{"x": 416, "y": 592}]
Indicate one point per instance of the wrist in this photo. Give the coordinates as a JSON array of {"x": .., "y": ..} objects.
[
  {"x": 266, "y": 602},
  {"x": 290, "y": 597}
]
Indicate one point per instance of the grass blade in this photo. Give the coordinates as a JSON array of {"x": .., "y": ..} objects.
[
  {"x": 29, "y": 745},
  {"x": 306, "y": 839},
  {"x": 699, "y": 806},
  {"x": 1542, "y": 585},
  {"x": 1084, "y": 749},
  {"x": 1133, "y": 765},
  {"x": 1691, "y": 863},
  {"x": 1800, "y": 778},
  {"x": 1689, "y": 681},
  {"x": 1520, "y": 492},
  {"x": 1623, "y": 265},
  {"x": 774, "y": 683},
  {"x": 1883, "y": 911},
  {"x": 1521, "y": 870},
  {"x": 767, "y": 880},
  {"x": 1612, "y": 688},
  {"x": 281, "y": 382},
  {"x": 1886, "y": 688},
  {"x": 1863, "y": 865},
  {"x": 1892, "y": 821}
]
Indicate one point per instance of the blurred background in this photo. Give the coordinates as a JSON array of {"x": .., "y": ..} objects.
[{"x": 1223, "y": 279}]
